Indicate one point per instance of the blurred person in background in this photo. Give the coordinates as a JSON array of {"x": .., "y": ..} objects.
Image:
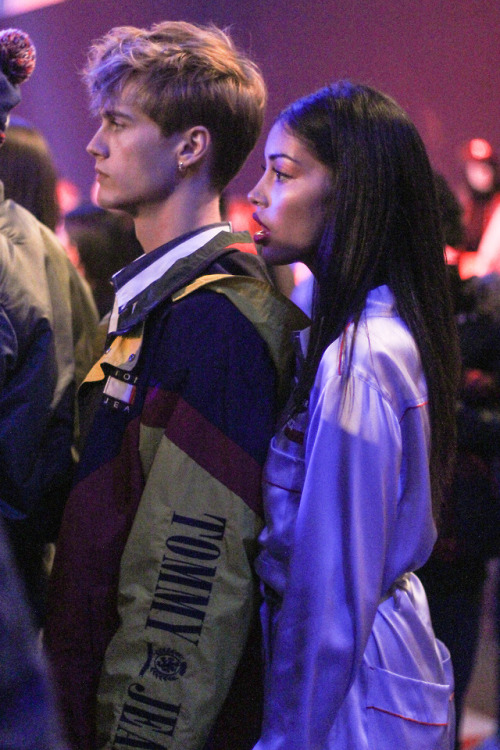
[
  {"x": 469, "y": 532},
  {"x": 28, "y": 171},
  {"x": 27, "y": 715},
  {"x": 48, "y": 320},
  {"x": 103, "y": 243},
  {"x": 481, "y": 203},
  {"x": 30, "y": 393}
]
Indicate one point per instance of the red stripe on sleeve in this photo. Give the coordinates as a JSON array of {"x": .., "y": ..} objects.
[{"x": 206, "y": 444}]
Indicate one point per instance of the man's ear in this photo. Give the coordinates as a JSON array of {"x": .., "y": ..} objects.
[{"x": 195, "y": 145}]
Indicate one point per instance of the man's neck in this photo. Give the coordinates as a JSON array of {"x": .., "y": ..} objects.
[{"x": 157, "y": 224}]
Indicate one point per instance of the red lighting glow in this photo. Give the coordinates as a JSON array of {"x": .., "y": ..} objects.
[{"x": 480, "y": 149}]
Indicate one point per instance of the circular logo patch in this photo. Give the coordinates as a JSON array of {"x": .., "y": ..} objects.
[{"x": 167, "y": 664}]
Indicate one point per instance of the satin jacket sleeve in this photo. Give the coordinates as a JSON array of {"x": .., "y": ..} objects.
[{"x": 336, "y": 576}]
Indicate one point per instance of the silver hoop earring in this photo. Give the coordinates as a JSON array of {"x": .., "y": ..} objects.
[{"x": 181, "y": 167}]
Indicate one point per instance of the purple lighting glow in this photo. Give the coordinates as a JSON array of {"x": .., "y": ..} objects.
[{"x": 14, "y": 7}]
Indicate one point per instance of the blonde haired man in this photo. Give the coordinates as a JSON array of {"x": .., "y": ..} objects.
[{"x": 153, "y": 595}]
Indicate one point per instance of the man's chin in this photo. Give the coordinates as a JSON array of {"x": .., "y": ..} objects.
[
  {"x": 99, "y": 196},
  {"x": 107, "y": 203},
  {"x": 104, "y": 201}
]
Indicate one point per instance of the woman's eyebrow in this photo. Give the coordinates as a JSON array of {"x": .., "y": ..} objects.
[{"x": 280, "y": 155}]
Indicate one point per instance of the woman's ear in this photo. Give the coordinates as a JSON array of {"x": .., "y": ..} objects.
[{"x": 195, "y": 145}]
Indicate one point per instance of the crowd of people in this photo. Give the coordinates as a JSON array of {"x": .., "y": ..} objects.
[{"x": 232, "y": 522}]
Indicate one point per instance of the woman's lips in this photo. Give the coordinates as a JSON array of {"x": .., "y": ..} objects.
[{"x": 263, "y": 236}]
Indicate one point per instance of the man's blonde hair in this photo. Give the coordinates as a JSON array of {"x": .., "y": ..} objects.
[{"x": 183, "y": 75}]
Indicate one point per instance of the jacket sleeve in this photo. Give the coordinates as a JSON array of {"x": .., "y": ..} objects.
[
  {"x": 28, "y": 369},
  {"x": 8, "y": 347},
  {"x": 335, "y": 581},
  {"x": 187, "y": 592},
  {"x": 28, "y": 375},
  {"x": 27, "y": 714}
]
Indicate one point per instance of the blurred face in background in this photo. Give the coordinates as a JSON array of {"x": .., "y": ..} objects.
[{"x": 480, "y": 175}]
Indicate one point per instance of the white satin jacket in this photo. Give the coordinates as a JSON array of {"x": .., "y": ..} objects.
[{"x": 352, "y": 661}]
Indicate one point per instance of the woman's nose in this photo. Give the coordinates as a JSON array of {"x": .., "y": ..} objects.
[{"x": 256, "y": 196}]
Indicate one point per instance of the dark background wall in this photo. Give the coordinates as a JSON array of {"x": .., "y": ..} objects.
[{"x": 439, "y": 58}]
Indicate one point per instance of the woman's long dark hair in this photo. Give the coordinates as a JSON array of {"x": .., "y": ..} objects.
[{"x": 383, "y": 229}]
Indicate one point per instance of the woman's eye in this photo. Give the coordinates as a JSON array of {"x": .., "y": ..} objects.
[{"x": 280, "y": 176}]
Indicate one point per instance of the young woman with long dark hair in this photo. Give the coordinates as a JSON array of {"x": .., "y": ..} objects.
[{"x": 354, "y": 476}]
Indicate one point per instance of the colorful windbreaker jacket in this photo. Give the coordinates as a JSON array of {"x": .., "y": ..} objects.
[{"x": 153, "y": 596}]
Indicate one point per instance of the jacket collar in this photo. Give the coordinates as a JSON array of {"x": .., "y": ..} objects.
[{"x": 146, "y": 282}]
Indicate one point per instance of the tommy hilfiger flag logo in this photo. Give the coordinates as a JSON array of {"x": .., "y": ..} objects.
[{"x": 121, "y": 389}]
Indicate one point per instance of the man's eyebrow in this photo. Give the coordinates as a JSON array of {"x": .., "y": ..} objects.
[{"x": 114, "y": 112}]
